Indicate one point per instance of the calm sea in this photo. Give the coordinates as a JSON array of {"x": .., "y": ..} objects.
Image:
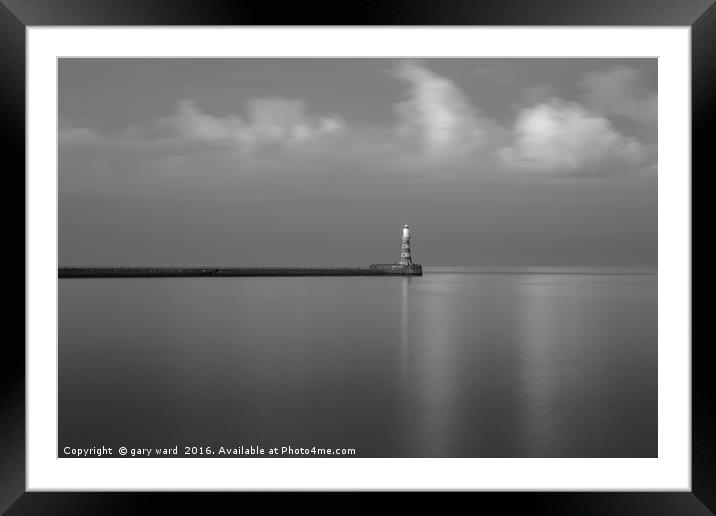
[{"x": 461, "y": 362}]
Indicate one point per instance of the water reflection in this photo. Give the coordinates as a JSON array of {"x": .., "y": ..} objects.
[
  {"x": 539, "y": 378},
  {"x": 434, "y": 388},
  {"x": 449, "y": 364}
]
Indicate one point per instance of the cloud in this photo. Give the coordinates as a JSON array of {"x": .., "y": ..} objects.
[
  {"x": 69, "y": 135},
  {"x": 437, "y": 117},
  {"x": 560, "y": 136},
  {"x": 435, "y": 123},
  {"x": 619, "y": 92},
  {"x": 189, "y": 123},
  {"x": 437, "y": 133},
  {"x": 278, "y": 120},
  {"x": 269, "y": 122}
]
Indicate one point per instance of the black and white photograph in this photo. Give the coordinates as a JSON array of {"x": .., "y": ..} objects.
[{"x": 357, "y": 257}]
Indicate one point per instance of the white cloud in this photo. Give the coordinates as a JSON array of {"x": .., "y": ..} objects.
[
  {"x": 189, "y": 123},
  {"x": 285, "y": 120},
  {"x": 437, "y": 132},
  {"x": 619, "y": 92},
  {"x": 272, "y": 121},
  {"x": 559, "y": 136},
  {"x": 437, "y": 117}
]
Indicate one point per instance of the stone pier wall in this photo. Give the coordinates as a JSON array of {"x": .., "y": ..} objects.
[{"x": 171, "y": 272}]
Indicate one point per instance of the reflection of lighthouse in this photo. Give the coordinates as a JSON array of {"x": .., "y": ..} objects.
[{"x": 405, "y": 258}]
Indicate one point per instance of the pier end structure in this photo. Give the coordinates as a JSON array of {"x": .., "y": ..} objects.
[
  {"x": 414, "y": 269},
  {"x": 405, "y": 266}
]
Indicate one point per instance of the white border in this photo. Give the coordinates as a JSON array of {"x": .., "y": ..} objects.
[{"x": 671, "y": 471}]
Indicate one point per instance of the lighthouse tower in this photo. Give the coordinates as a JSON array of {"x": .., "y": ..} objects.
[{"x": 405, "y": 258}]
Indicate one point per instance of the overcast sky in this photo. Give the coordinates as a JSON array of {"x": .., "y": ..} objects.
[{"x": 321, "y": 161}]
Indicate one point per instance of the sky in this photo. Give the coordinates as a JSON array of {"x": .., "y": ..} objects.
[{"x": 290, "y": 161}]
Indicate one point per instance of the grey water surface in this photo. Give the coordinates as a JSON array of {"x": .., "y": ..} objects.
[{"x": 461, "y": 362}]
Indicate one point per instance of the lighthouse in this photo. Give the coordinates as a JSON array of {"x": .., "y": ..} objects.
[
  {"x": 405, "y": 258},
  {"x": 405, "y": 267}
]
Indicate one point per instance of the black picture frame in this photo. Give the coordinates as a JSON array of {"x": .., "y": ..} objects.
[{"x": 17, "y": 15}]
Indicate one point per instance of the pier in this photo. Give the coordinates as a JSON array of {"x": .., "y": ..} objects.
[
  {"x": 405, "y": 267},
  {"x": 223, "y": 271}
]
